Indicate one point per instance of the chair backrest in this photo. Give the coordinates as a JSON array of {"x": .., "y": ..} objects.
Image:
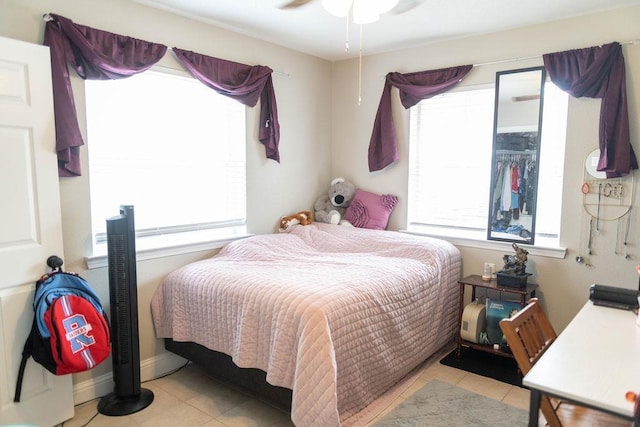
[{"x": 529, "y": 334}]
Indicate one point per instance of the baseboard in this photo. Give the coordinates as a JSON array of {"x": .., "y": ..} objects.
[{"x": 150, "y": 369}]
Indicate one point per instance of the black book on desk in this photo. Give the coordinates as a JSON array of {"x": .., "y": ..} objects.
[{"x": 610, "y": 296}]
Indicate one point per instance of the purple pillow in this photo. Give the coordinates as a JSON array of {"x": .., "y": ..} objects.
[{"x": 369, "y": 210}]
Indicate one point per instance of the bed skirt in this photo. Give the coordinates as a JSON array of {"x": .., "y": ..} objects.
[{"x": 222, "y": 367}]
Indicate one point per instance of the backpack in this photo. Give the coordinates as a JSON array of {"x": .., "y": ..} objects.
[{"x": 70, "y": 331}]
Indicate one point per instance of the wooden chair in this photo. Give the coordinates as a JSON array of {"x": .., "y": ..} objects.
[{"x": 529, "y": 334}]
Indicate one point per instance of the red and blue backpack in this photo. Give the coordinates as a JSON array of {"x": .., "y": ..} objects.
[{"x": 70, "y": 331}]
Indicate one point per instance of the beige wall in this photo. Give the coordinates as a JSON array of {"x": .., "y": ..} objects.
[
  {"x": 273, "y": 189},
  {"x": 326, "y": 134},
  {"x": 564, "y": 284}
]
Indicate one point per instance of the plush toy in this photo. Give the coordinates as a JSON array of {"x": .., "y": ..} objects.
[
  {"x": 330, "y": 207},
  {"x": 302, "y": 218}
]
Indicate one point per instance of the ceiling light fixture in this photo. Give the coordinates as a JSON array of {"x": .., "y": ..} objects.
[{"x": 363, "y": 12}]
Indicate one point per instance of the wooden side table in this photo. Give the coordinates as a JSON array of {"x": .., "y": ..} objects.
[{"x": 475, "y": 281}]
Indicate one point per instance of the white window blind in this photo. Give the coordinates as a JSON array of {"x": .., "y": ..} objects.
[
  {"x": 171, "y": 147},
  {"x": 450, "y": 159},
  {"x": 451, "y": 139},
  {"x": 552, "y": 150}
]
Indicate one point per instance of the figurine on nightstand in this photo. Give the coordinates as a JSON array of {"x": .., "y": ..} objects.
[
  {"x": 513, "y": 273},
  {"x": 516, "y": 264}
]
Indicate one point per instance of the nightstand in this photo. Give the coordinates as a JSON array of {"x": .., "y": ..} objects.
[{"x": 475, "y": 281}]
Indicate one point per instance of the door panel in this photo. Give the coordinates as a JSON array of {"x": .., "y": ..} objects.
[{"x": 30, "y": 228}]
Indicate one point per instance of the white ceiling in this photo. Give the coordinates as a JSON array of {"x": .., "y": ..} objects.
[{"x": 311, "y": 30}]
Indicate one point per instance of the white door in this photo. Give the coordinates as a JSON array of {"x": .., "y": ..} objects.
[{"x": 30, "y": 228}]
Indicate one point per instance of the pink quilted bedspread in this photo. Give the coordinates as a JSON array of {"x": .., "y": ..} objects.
[{"x": 337, "y": 314}]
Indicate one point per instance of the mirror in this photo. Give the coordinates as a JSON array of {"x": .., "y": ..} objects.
[{"x": 516, "y": 143}]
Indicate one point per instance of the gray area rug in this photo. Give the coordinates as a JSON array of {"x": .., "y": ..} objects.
[{"x": 445, "y": 405}]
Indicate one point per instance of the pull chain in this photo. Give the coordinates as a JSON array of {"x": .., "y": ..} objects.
[
  {"x": 346, "y": 34},
  {"x": 360, "y": 70}
]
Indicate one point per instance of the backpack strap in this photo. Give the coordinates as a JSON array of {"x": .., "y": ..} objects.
[
  {"x": 26, "y": 354},
  {"x": 55, "y": 263}
]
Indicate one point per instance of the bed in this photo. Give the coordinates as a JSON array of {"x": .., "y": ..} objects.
[{"x": 336, "y": 315}]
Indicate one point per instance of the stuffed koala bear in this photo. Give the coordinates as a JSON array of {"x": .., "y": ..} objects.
[{"x": 330, "y": 207}]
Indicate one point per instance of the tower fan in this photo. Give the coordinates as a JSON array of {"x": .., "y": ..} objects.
[{"x": 128, "y": 397}]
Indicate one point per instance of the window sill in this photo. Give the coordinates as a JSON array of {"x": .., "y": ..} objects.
[
  {"x": 474, "y": 239},
  {"x": 151, "y": 248}
]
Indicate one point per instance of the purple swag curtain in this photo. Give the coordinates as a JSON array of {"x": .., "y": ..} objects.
[
  {"x": 94, "y": 54},
  {"x": 414, "y": 87},
  {"x": 243, "y": 83},
  {"x": 598, "y": 72}
]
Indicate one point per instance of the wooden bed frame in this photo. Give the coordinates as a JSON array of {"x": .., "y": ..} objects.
[{"x": 221, "y": 366}]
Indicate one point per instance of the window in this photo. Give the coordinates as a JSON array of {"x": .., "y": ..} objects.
[
  {"x": 171, "y": 147},
  {"x": 451, "y": 138}
]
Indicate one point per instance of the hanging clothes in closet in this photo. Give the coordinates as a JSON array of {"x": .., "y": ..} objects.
[{"x": 513, "y": 190}]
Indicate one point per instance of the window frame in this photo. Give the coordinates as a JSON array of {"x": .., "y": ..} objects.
[
  {"x": 162, "y": 241},
  {"x": 465, "y": 237}
]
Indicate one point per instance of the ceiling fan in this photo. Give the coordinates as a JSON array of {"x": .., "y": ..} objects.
[
  {"x": 295, "y": 4},
  {"x": 362, "y": 12},
  {"x": 340, "y": 7}
]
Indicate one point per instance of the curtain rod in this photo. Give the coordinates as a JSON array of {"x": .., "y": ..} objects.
[
  {"x": 48, "y": 17},
  {"x": 281, "y": 73},
  {"x": 636, "y": 41}
]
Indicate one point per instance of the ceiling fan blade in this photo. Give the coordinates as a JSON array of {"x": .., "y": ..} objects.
[
  {"x": 294, "y": 4},
  {"x": 405, "y": 6}
]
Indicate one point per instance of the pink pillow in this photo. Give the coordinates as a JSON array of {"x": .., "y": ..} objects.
[{"x": 369, "y": 210}]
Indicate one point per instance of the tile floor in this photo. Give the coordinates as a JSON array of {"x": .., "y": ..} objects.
[{"x": 190, "y": 398}]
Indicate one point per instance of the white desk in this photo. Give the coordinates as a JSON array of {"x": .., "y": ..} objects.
[{"x": 593, "y": 362}]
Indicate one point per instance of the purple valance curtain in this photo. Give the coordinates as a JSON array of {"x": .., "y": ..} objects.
[
  {"x": 94, "y": 54},
  {"x": 414, "y": 87},
  {"x": 598, "y": 72},
  {"x": 244, "y": 83}
]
